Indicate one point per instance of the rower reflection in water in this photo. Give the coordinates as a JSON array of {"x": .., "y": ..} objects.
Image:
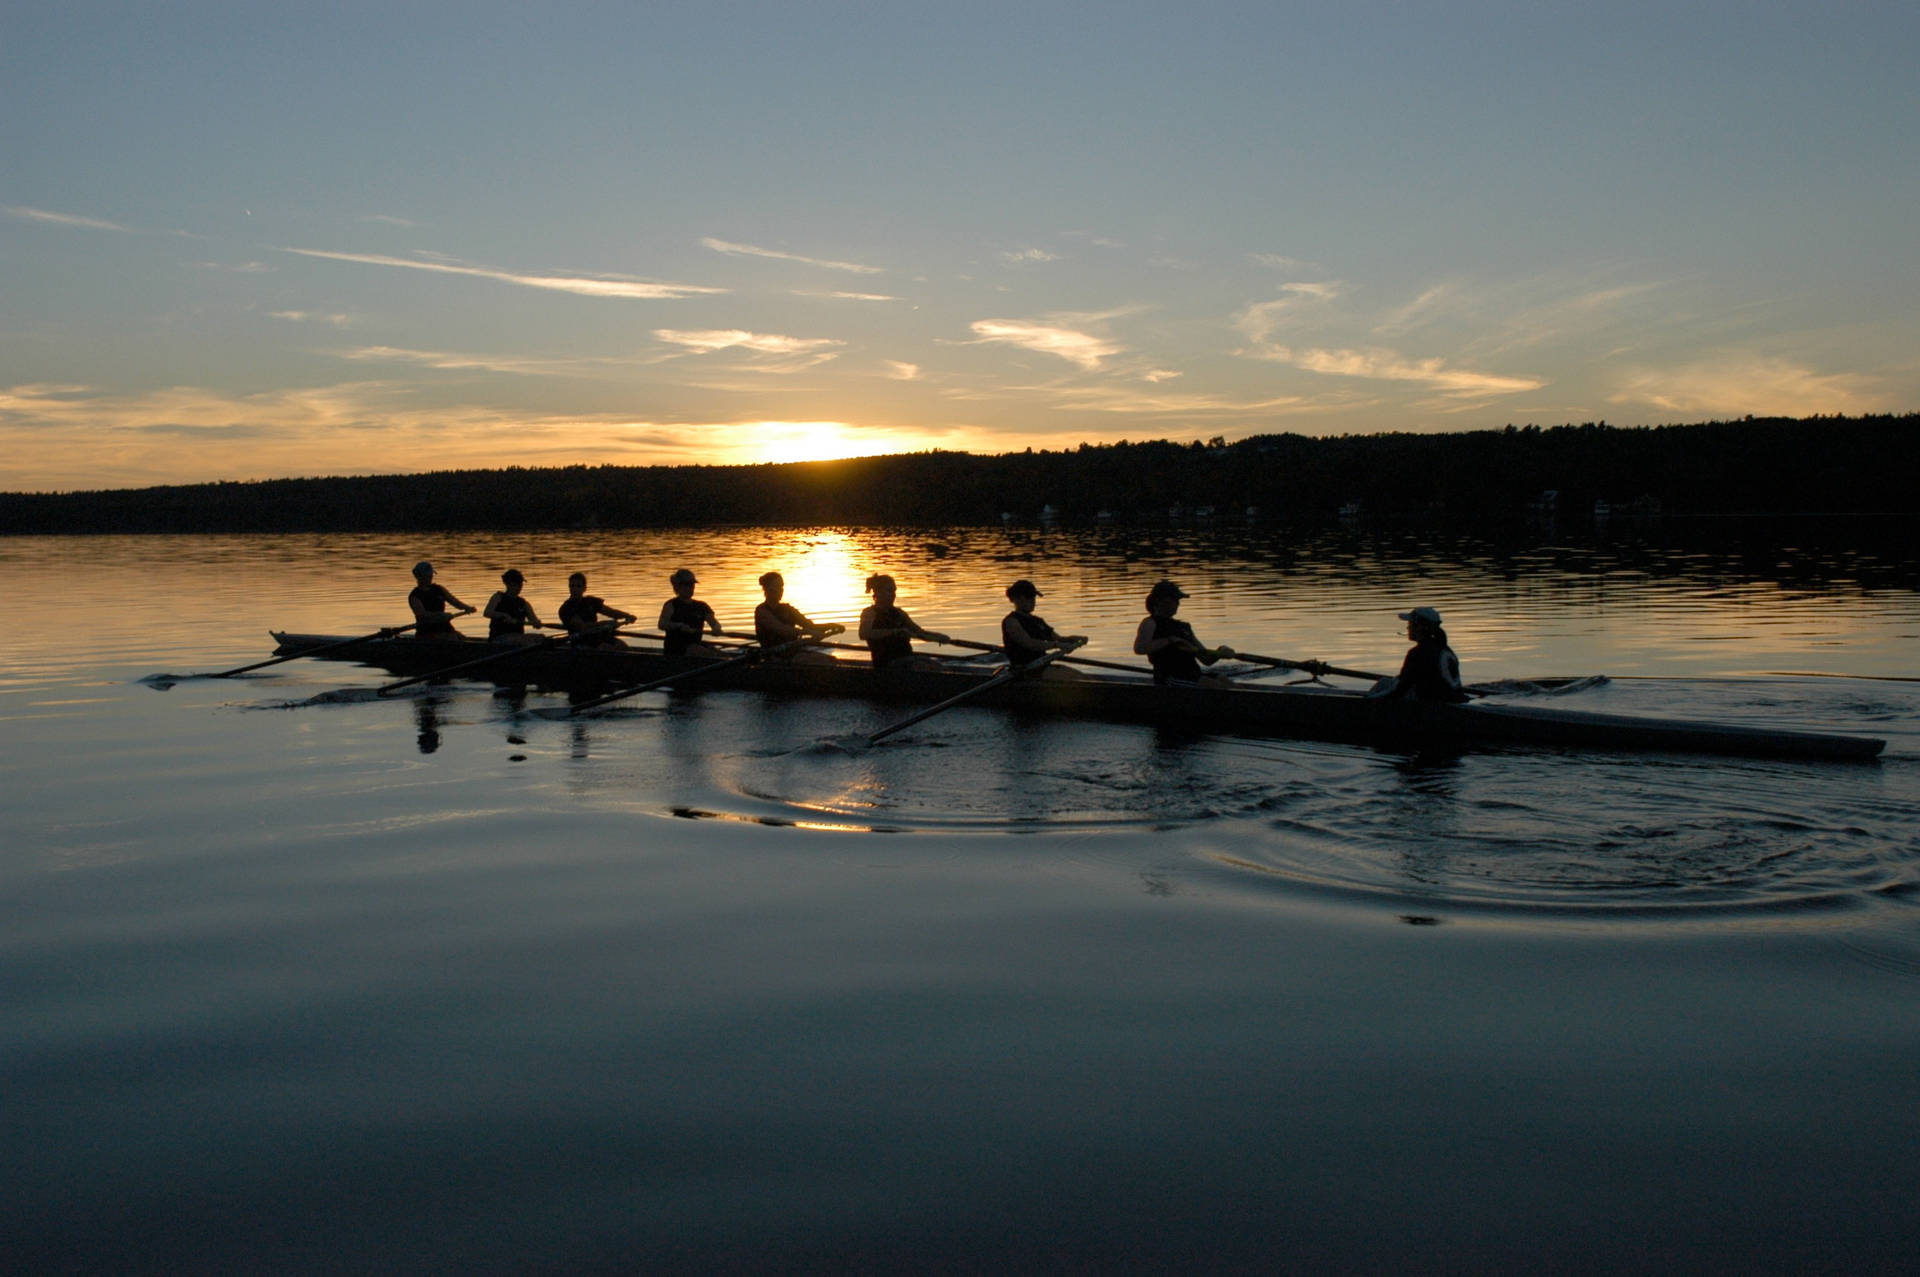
[
  {"x": 776, "y": 622},
  {"x": 1170, "y": 645},
  {"x": 888, "y": 631},
  {"x": 429, "y": 601},
  {"x": 685, "y": 619},
  {"x": 1431, "y": 671},
  {"x": 508, "y": 614},
  {"x": 1027, "y": 638},
  {"x": 582, "y": 612}
]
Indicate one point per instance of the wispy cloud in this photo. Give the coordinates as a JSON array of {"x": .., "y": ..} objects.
[
  {"x": 63, "y": 219},
  {"x": 846, "y": 297},
  {"x": 454, "y": 361},
  {"x": 1388, "y": 365},
  {"x": 1277, "y": 262},
  {"x": 1737, "y": 382},
  {"x": 768, "y": 352},
  {"x": 1137, "y": 403},
  {"x": 387, "y": 219},
  {"x": 1022, "y": 256},
  {"x": 624, "y": 287},
  {"x": 311, "y": 317},
  {"x": 1260, "y": 320},
  {"x": 1081, "y": 348},
  {"x": 899, "y": 370},
  {"x": 750, "y": 250}
]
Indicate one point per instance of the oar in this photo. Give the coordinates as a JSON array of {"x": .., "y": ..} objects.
[
  {"x": 1315, "y": 668},
  {"x": 1060, "y": 656},
  {"x": 1005, "y": 676},
  {"x": 754, "y": 654},
  {"x": 517, "y": 649},
  {"x": 388, "y": 632}
]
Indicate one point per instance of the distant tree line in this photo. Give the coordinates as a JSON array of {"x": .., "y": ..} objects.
[{"x": 1828, "y": 465}]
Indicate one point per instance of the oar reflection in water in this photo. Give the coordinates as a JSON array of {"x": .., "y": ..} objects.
[
  {"x": 855, "y": 743},
  {"x": 162, "y": 682}
]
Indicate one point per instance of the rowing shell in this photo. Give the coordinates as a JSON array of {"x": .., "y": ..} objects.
[{"x": 1311, "y": 711}]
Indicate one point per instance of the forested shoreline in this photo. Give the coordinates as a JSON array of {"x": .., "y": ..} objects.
[{"x": 1776, "y": 466}]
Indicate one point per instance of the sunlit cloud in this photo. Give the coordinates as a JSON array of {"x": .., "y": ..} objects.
[
  {"x": 1138, "y": 403},
  {"x": 706, "y": 341},
  {"x": 1736, "y": 383},
  {"x": 1020, "y": 257},
  {"x": 623, "y": 287},
  {"x": 450, "y": 361},
  {"x": 1158, "y": 375},
  {"x": 900, "y": 370},
  {"x": 311, "y": 317},
  {"x": 1388, "y": 365},
  {"x": 1081, "y": 348},
  {"x": 63, "y": 219},
  {"x": 847, "y": 297},
  {"x": 749, "y": 250}
]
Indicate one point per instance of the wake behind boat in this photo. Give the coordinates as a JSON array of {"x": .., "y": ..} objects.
[{"x": 1311, "y": 710}]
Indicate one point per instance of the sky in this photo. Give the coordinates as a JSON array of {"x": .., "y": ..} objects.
[{"x": 246, "y": 241}]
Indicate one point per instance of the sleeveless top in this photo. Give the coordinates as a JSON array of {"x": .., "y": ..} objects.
[
  {"x": 432, "y": 599},
  {"x": 1170, "y": 663},
  {"x": 888, "y": 650},
  {"x": 519, "y": 613},
  {"x": 1034, "y": 627},
  {"x": 689, "y": 612},
  {"x": 581, "y": 611}
]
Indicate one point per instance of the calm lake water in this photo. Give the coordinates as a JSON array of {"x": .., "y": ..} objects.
[{"x": 435, "y": 984}]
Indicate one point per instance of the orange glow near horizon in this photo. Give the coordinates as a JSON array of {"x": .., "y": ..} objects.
[{"x": 779, "y": 442}]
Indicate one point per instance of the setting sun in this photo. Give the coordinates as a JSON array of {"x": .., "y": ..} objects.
[{"x": 778, "y": 442}]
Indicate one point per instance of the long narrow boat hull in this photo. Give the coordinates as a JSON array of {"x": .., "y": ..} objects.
[{"x": 1309, "y": 711}]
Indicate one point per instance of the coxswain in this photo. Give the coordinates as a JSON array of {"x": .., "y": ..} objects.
[
  {"x": 887, "y": 630},
  {"x": 1170, "y": 645},
  {"x": 684, "y": 619},
  {"x": 1431, "y": 671},
  {"x": 581, "y": 615},
  {"x": 1024, "y": 636},
  {"x": 429, "y": 601},
  {"x": 508, "y": 614},
  {"x": 777, "y": 623}
]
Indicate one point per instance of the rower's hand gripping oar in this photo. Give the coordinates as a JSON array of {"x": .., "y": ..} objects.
[
  {"x": 997, "y": 680},
  {"x": 506, "y": 654},
  {"x": 755, "y": 654}
]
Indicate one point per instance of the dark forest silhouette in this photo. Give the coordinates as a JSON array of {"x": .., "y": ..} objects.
[{"x": 1826, "y": 465}]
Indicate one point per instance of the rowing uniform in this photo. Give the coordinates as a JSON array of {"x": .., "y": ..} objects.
[
  {"x": 1171, "y": 664},
  {"x": 1431, "y": 672},
  {"x": 1033, "y": 627},
  {"x": 691, "y": 613},
  {"x": 429, "y": 602},
  {"x": 888, "y": 650},
  {"x": 512, "y": 615}
]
